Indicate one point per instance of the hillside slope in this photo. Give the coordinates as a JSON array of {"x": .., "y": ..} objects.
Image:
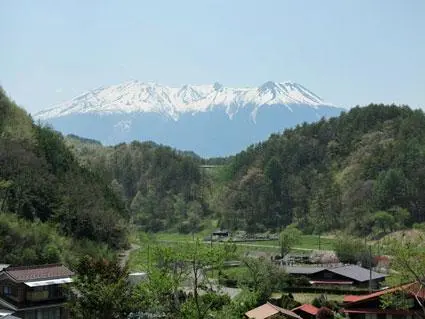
[
  {"x": 163, "y": 187},
  {"x": 43, "y": 183},
  {"x": 363, "y": 171}
]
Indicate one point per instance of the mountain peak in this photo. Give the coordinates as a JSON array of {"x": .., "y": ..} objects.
[
  {"x": 217, "y": 86},
  {"x": 134, "y": 96}
]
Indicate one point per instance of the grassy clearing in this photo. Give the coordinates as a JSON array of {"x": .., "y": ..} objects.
[
  {"x": 139, "y": 258},
  {"x": 308, "y": 297},
  {"x": 312, "y": 242}
]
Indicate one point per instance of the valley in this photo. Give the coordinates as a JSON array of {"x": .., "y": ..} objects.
[{"x": 320, "y": 195}]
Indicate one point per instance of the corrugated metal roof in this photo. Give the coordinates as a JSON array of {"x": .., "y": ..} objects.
[
  {"x": 356, "y": 272},
  {"x": 414, "y": 288},
  {"x": 350, "y": 298},
  {"x": 303, "y": 270}
]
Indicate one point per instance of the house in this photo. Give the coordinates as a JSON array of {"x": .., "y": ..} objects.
[
  {"x": 347, "y": 275},
  {"x": 371, "y": 306},
  {"x": 306, "y": 311},
  {"x": 270, "y": 311},
  {"x": 35, "y": 291}
]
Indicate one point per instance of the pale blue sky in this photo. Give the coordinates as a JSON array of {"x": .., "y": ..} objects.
[{"x": 347, "y": 51}]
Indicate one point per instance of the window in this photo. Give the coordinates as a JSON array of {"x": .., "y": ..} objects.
[{"x": 7, "y": 291}]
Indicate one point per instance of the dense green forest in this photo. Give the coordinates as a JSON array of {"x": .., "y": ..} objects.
[
  {"x": 49, "y": 203},
  {"x": 363, "y": 172},
  {"x": 163, "y": 187}
]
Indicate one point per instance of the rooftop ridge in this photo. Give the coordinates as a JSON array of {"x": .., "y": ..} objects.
[
  {"x": 38, "y": 272},
  {"x": 32, "y": 267}
]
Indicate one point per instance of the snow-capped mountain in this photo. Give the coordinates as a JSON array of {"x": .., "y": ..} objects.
[{"x": 190, "y": 117}]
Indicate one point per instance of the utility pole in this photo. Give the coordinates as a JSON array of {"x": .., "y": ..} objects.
[
  {"x": 319, "y": 240},
  {"x": 370, "y": 269}
]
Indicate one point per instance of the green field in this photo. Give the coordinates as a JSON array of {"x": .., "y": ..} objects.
[
  {"x": 139, "y": 258},
  {"x": 308, "y": 297}
]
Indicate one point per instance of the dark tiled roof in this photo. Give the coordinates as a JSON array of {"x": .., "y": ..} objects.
[
  {"x": 356, "y": 272},
  {"x": 300, "y": 270},
  {"x": 42, "y": 272}
]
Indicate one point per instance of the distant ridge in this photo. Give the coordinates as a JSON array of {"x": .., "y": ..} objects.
[{"x": 210, "y": 119}]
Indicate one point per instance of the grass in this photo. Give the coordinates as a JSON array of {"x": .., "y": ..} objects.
[
  {"x": 138, "y": 258},
  {"x": 308, "y": 297},
  {"x": 312, "y": 242}
]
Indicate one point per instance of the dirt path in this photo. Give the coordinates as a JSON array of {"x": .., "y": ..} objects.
[{"x": 125, "y": 255}]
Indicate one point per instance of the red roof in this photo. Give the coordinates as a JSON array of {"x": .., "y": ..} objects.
[
  {"x": 351, "y": 298},
  {"x": 310, "y": 309},
  {"x": 411, "y": 288},
  {"x": 381, "y": 311},
  {"x": 42, "y": 272}
]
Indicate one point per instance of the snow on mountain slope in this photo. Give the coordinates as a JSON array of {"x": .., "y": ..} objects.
[{"x": 134, "y": 96}]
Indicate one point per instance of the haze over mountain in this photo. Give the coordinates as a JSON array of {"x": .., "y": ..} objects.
[{"x": 211, "y": 119}]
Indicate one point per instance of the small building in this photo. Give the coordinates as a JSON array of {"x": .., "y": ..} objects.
[
  {"x": 270, "y": 311},
  {"x": 221, "y": 233},
  {"x": 306, "y": 311},
  {"x": 35, "y": 291},
  {"x": 348, "y": 275},
  {"x": 370, "y": 306},
  {"x": 137, "y": 277}
]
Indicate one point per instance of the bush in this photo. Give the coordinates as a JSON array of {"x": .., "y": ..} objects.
[
  {"x": 322, "y": 301},
  {"x": 351, "y": 250},
  {"x": 325, "y": 313}
]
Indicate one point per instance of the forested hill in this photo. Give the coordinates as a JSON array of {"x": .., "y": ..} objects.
[
  {"x": 363, "y": 171},
  {"x": 42, "y": 182},
  {"x": 163, "y": 187}
]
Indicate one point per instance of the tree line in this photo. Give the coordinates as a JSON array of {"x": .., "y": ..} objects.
[
  {"x": 42, "y": 182},
  {"x": 362, "y": 171},
  {"x": 163, "y": 188}
]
